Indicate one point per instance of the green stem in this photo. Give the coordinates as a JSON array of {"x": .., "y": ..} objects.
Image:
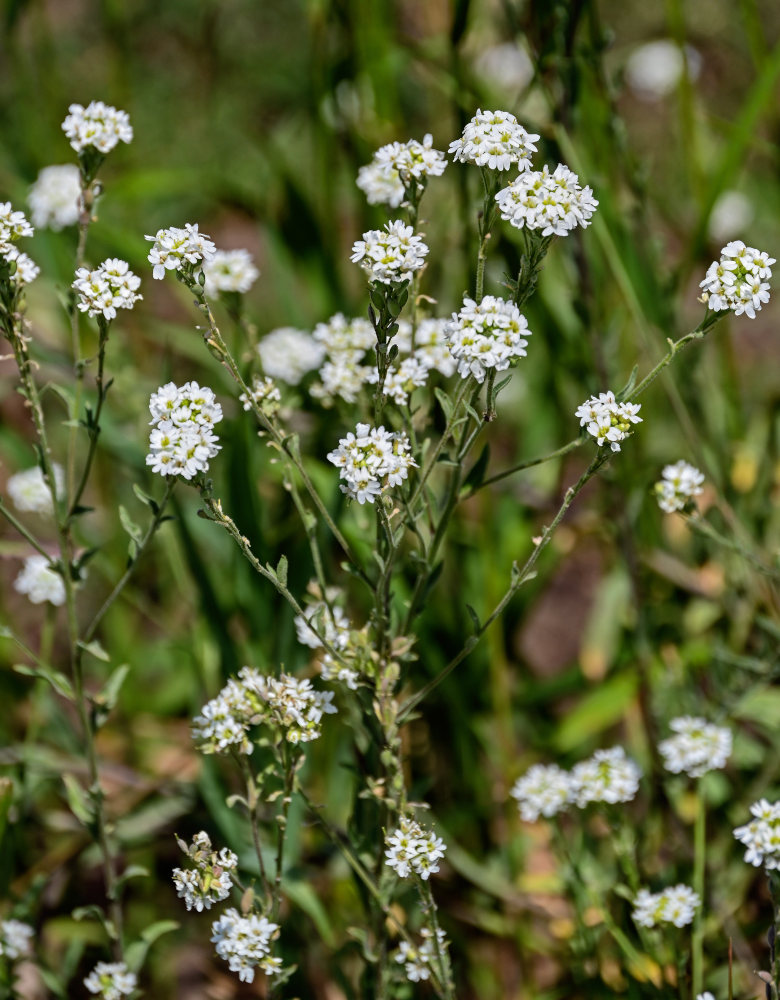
[
  {"x": 94, "y": 425},
  {"x": 675, "y": 346},
  {"x": 528, "y": 464},
  {"x": 253, "y": 803},
  {"x": 699, "y": 864},
  {"x": 448, "y": 429},
  {"x": 24, "y": 531}
]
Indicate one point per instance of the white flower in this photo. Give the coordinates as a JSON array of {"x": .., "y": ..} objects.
[
  {"x": 289, "y": 354},
  {"x": 762, "y": 835},
  {"x": 553, "y": 202},
  {"x": 39, "y": 582},
  {"x": 413, "y": 849},
  {"x": 679, "y": 484},
  {"x": 506, "y": 66},
  {"x": 26, "y": 268},
  {"x": 265, "y": 395},
  {"x": 97, "y": 125},
  {"x": 210, "y": 882},
  {"x": 675, "y": 905},
  {"x": 13, "y": 225},
  {"x": 607, "y": 776},
  {"x": 417, "y": 961},
  {"x": 335, "y": 627},
  {"x": 731, "y": 214},
  {"x": 390, "y": 255},
  {"x": 654, "y": 69},
  {"x": 340, "y": 336},
  {"x": 182, "y": 439},
  {"x": 705, "y": 996},
  {"x": 230, "y": 271},
  {"x": 15, "y": 939},
  {"x": 244, "y": 943},
  {"x": 544, "y": 790},
  {"x": 111, "y": 980},
  {"x": 400, "y": 382},
  {"x": 179, "y": 250},
  {"x": 381, "y": 184},
  {"x": 29, "y": 491},
  {"x": 412, "y": 160},
  {"x": 495, "y": 139},
  {"x": 487, "y": 335},
  {"x": 698, "y": 747},
  {"x": 109, "y": 287},
  {"x": 55, "y": 197},
  {"x": 371, "y": 460},
  {"x": 739, "y": 280},
  {"x": 607, "y": 420}
]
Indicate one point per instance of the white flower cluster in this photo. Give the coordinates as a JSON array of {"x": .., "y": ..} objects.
[
  {"x": 252, "y": 699},
  {"x": 210, "y": 881},
  {"x": 417, "y": 961},
  {"x": 678, "y": 485},
  {"x": 289, "y": 354},
  {"x": 264, "y": 394},
  {"x": 13, "y": 226},
  {"x": 55, "y": 197},
  {"x": 412, "y": 160},
  {"x": 372, "y": 460},
  {"x": 495, "y": 139},
  {"x": 431, "y": 344},
  {"x": 40, "y": 582},
  {"x": 390, "y": 255},
  {"x": 230, "y": 271},
  {"x": 545, "y": 790},
  {"x": 26, "y": 268},
  {"x": 334, "y": 625},
  {"x": 97, "y": 125},
  {"x": 400, "y": 382},
  {"x": 381, "y": 184},
  {"x": 111, "y": 981},
  {"x": 30, "y": 492},
  {"x": 15, "y": 939},
  {"x": 245, "y": 943},
  {"x": 179, "y": 250},
  {"x": 344, "y": 342},
  {"x": 109, "y": 287},
  {"x": 698, "y": 746},
  {"x": 553, "y": 202},
  {"x": 761, "y": 835},
  {"x": 182, "y": 439},
  {"x": 488, "y": 334},
  {"x": 607, "y": 420},
  {"x": 739, "y": 280},
  {"x": 413, "y": 849},
  {"x": 675, "y": 905}
]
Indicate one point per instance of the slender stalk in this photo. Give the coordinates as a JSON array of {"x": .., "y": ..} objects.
[
  {"x": 85, "y": 217},
  {"x": 253, "y": 802},
  {"x": 699, "y": 865},
  {"x": 25, "y": 532},
  {"x": 94, "y": 425},
  {"x": 448, "y": 430},
  {"x": 675, "y": 346},
  {"x": 529, "y": 464}
]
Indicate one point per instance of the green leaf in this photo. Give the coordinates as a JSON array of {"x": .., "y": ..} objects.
[
  {"x": 474, "y": 617},
  {"x": 597, "y": 711},
  {"x": 474, "y": 479},
  {"x": 155, "y": 931},
  {"x": 305, "y": 898},
  {"x": 52, "y": 982},
  {"x": 107, "y": 698},
  {"x": 132, "y": 871},
  {"x": 281, "y": 571},
  {"x": 129, "y": 525},
  {"x": 6, "y": 797},
  {"x": 95, "y": 649},
  {"x": 145, "y": 498},
  {"x": 761, "y": 705},
  {"x": 80, "y": 805},
  {"x": 58, "y": 681},
  {"x": 444, "y": 401}
]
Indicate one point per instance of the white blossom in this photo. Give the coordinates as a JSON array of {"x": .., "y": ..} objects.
[
  {"x": 340, "y": 336},
  {"x": 410, "y": 848},
  {"x": 544, "y": 790},
  {"x": 608, "y": 776},
  {"x": 264, "y": 394},
  {"x": 381, "y": 184},
  {"x": 335, "y": 628},
  {"x": 289, "y": 354},
  {"x": 486, "y": 335},
  {"x": 417, "y": 960},
  {"x": 505, "y": 66},
  {"x": 179, "y": 250},
  {"x": 552, "y": 202},
  {"x": 390, "y": 255},
  {"x": 678, "y": 485},
  {"x": 15, "y": 939},
  {"x": 97, "y": 125},
  {"x": 40, "y": 582},
  {"x": 245, "y": 943},
  {"x": 495, "y": 139},
  {"x": 607, "y": 420},
  {"x": 412, "y": 160},
  {"x": 29, "y": 490},
  {"x": 372, "y": 460},
  {"x": 13, "y": 226},
  {"x": 182, "y": 439},
  {"x": 675, "y": 905},
  {"x": 230, "y": 271},
  {"x": 210, "y": 881},
  {"x": 400, "y": 382},
  {"x": 653, "y": 70},
  {"x": 739, "y": 281},
  {"x": 731, "y": 214},
  {"x": 698, "y": 746},
  {"x": 26, "y": 270},
  {"x": 109, "y": 287},
  {"x": 55, "y": 197},
  {"x": 761, "y": 835},
  {"x": 111, "y": 980}
]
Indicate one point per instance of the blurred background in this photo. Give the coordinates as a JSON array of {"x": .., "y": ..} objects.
[{"x": 252, "y": 119}]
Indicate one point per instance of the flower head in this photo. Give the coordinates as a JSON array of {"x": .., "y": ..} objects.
[
  {"x": 381, "y": 184},
  {"x": 678, "y": 485},
  {"x": 245, "y": 943},
  {"x": 487, "y": 335},
  {"x": 390, "y": 255},
  {"x": 179, "y": 250},
  {"x": 289, "y": 354},
  {"x": 264, "y": 394},
  {"x": 607, "y": 420},
  {"x": 761, "y": 835},
  {"x": 210, "y": 881},
  {"x": 698, "y": 746},
  {"x": 410, "y": 848},
  {"x": 417, "y": 960},
  {"x": 544, "y": 790},
  {"x": 739, "y": 281},
  {"x": 15, "y": 939},
  {"x": 552, "y": 202},
  {"x": 371, "y": 460},
  {"x": 182, "y": 439},
  {"x": 97, "y": 125},
  {"x": 40, "y": 582},
  {"x": 55, "y": 197},
  {"x": 334, "y": 626},
  {"x": 412, "y": 160},
  {"x": 29, "y": 491},
  {"x": 25, "y": 268},
  {"x": 495, "y": 139},
  {"x": 608, "y": 776},
  {"x": 109, "y": 287},
  {"x": 675, "y": 905},
  {"x": 230, "y": 271},
  {"x": 111, "y": 980},
  {"x": 13, "y": 226}
]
